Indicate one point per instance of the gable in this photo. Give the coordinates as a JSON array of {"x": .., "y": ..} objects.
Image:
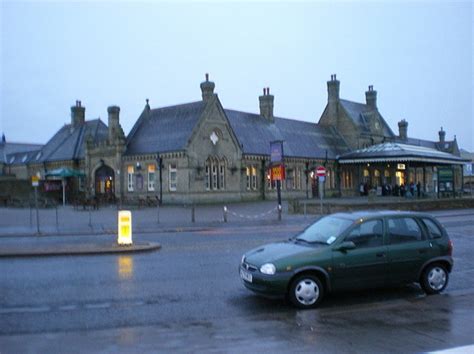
[{"x": 213, "y": 134}]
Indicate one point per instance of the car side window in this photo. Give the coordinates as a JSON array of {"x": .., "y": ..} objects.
[
  {"x": 367, "y": 234},
  {"x": 401, "y": 230},
  {"x": 434, "y": 231}
]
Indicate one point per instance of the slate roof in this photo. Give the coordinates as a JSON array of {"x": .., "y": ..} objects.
[
  {"x": 447, "y": 146},
  {"x": 169, "y": 129},
  {"x": 7, "y": 148},
  {"x": 301, "y": 139},
  {"x": 358, "y": 112},
  {"x": 20, "y": 158},
  {"x": 164, "y": 129},
  {"x": 416, "y": 142},
  {"x": 69, "y": 143},
  {"x": 388, "y": 152}
]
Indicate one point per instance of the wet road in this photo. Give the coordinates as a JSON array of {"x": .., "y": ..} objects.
[{"x": 187, "y": 297}]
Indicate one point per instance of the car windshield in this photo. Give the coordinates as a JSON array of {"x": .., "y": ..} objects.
[{"x": 325, "y": 230}]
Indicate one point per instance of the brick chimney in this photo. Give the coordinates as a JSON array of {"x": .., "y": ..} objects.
[
  {"x": 403, "y": 129},
  {"x": 207, "y": 88},
  {"x": 78, "y": 114},
  {"x": 442, "y": 136},
  {"x": 114, "y": 121},
  {"x": 266, "y": 104},
  {"x": 371, "y": 98}
]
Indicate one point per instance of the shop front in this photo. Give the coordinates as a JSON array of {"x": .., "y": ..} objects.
[{"x": 393, "y": 169}]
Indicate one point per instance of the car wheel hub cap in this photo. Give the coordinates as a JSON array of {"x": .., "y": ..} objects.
[
  {"x": 437, "y": 278},
  {"x": 307, "y": 292}
]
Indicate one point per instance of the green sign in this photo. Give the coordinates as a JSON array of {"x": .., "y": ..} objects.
[{"x": 445, "y": 175}]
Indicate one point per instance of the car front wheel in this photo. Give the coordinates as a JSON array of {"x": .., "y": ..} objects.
[
  {"x": 434, "y": 279},
  {"x": 306, "y": 291}
]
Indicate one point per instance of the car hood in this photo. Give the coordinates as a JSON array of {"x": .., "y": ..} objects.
[{"x": 275, "y": 251}]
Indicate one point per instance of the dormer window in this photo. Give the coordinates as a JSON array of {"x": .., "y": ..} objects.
[
  {"x": 24, "y": 158},
  {"x": 12, "y": 159},
  {"x": 38, "y": 156}
]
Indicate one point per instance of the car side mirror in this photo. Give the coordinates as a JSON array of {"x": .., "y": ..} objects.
[{"x": 346, "y": 245}]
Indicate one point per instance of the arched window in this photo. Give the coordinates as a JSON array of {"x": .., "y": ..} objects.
[{"x": 215, "y": 173}]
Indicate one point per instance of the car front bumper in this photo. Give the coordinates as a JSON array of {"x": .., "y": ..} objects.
[{"x": 275, "y": 285}]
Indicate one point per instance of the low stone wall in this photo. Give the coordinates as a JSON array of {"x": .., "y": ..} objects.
[{"x": 314, "y": 207}]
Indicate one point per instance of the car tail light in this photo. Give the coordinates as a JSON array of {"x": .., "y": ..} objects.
[{"x": 450, "y": 248}]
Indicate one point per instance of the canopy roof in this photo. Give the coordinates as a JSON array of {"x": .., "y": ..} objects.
[
  {"x": 64, "y": 172},
  {"x": 393, "y": 152}
]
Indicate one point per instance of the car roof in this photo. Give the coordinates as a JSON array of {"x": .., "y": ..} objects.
[{"x": 367, "y": 214}]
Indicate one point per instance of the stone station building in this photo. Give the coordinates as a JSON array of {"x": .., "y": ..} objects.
[{"x": 201, "y": 152}]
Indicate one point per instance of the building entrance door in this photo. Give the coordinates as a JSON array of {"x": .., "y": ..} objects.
[{"x": 104, "y": 182}]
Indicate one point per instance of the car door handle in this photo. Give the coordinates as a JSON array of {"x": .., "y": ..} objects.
[{"x": 380, "y": 254}]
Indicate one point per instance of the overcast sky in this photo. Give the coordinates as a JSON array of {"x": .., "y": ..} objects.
[{"x": 418, "y": 56}]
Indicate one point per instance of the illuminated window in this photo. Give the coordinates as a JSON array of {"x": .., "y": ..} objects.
[
  {"x": 173, "y": 177},
  {"x": 130, "y": 172},
  {"x": 254, "y": 178},
  {"x": 151, "y": 177},
  {"x": 248, "y": 177}
]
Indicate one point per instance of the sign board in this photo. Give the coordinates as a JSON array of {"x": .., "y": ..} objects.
[
  {"x": 401, "y": 166},
  {"x": 445, "y": 174},
  {"x": 35, "y": 181},
  {"x": 321, "y": 179},
  {"x": 445, "y": 179},
  {"x": 277, "y": 173},
  {"x": 124, "y": 227},
  {"x": 321, "y": 171},
  {"x": 276, "y": 152}
]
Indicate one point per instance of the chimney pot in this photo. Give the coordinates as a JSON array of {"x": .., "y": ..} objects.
[
  {"x": 371, "y": 98},
  {"x": 403, "y": 129},
  {"x": 207, "y": 89},
  {"x": 266, "y": 104},
  {"x": 333, "y": 89},
  {"x": 442, "y": 135},
  {"x": 77, "y": 114}
]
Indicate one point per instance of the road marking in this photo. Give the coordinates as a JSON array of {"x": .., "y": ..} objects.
[
  {"x": 25, "y": 309},
  {"x": 67, "y": 307},
  {"x": 103, "y": 305}
]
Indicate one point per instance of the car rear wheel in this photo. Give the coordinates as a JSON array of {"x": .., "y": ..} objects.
[
  {"x": 434, "y": 279},
  {"x": 306, "y": 291}
]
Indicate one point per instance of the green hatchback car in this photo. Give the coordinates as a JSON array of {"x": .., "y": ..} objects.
[{"x": 352, "y": 251}]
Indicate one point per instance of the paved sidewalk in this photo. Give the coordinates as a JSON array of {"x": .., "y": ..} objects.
[
  {"x": 61, "y": 229},
  {"x": 69, "y": 231}
]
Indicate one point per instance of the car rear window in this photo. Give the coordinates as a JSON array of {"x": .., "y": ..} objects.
[
  {"x": 403, "y": 230},
  {"x": 433, "y": 229}
]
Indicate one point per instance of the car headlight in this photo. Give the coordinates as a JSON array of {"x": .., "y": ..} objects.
[
  {"x": 268, "y": 268},
  {"x": 243, "y": 259}
]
